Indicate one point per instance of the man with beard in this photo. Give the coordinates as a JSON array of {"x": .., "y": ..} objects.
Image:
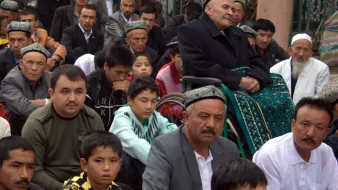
[
  {"x": 304, "y": 75},
  {"x": 116, "y": 23},
  {"x": 187, "y": 157},
  {"x": 299, "y": 159},
  {"x": 16, "y": 164}
]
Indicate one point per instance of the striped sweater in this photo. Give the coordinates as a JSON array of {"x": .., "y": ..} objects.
[{"x": 136, "y": 137}]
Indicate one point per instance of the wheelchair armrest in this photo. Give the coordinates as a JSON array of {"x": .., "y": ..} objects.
[{"x": 201, "y": 80}]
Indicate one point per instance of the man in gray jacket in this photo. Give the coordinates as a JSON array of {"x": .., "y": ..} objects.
[
  {"x": 116, "y": 23},
  {"x": 25, "y": 88},
  {"x": 187, "y": 157}
]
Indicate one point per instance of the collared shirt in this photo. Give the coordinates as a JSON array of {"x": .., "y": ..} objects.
[
  {"x": 86, "y": 35},
  {"x": 82, "y": 183},
  {"x": 125, "y": 19},
  {"x": 286, "y": 170},
  {"x": 109, "y": 4},
  {"x": 205, "y": 168}
]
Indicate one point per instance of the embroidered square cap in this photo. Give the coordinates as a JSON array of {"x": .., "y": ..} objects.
[
  {"x": 134, "y": 25},
  {"x": 206, "y": 92},
  {"x": 10, "y": 5},
  {"x": 34, "y": 48},
  {"x": 19, "y": 26}
]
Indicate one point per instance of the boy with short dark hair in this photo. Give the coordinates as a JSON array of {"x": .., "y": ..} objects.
[
  {"x": 101, "y": 161},
  {"x": 137, "y": 125},
  {"x": 238, "y": 174}
]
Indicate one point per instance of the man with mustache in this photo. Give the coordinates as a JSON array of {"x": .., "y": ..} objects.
[
  {"x": 265, "y": 45},
  {"x": 299, "y": 159},
  {"x": 304, "y": 75},
  {"x": 56, "y": 130},
  {"x": 16, "y": 164},
  {"x": 187, "y": 157},
  {"x": 116, "y": 23},
  {"x": 82, "y": 38},
  {"x": 25, "y": 88}
]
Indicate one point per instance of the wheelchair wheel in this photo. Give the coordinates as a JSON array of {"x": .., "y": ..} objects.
[{"x": 171, "y": 107}]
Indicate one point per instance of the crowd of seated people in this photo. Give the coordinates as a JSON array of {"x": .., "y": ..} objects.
[{"x": 80, "y": 81}]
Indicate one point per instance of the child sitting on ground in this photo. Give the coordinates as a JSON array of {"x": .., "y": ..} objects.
[
  {"x": 238, "y": 174},
  {"x": 141, "y": 66},
  {"x": 137, "y": 125},
  {"x": 101, "y": 161}
]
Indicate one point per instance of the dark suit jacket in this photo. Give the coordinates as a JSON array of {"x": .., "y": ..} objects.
[
  {"x": 7, "y": 62},
  {"x": 172, "y": 164},
  {"x": 64, "y": 17},
  {"x": 273, "y": 53},
  {"x": 74, "y": 41},
  {"x": 46, "y": 9},
  {"x": 156, "y": 40},
  {"x": 206, "y": 52}
]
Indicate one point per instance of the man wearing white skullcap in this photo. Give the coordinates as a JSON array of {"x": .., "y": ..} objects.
[{"x": 305, "y": 76}]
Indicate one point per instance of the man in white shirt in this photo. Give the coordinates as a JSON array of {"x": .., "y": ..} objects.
[
  {"x": 89, "y": 63},
  {"x": 304, "y": 75},
  {"x": 299, "y": 160},
  {"x": 105, "y": 8}
]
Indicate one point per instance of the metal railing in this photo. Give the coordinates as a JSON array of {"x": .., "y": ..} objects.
[{"x": 309, "y": 16}]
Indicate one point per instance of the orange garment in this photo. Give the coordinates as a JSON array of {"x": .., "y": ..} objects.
[{"x": 44, "y": 40}]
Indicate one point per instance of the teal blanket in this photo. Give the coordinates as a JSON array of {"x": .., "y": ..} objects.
[{"x": 265, "y": 114}]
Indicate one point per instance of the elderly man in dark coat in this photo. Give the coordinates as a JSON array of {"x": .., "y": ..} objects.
[{"x": 211, "y": 47}]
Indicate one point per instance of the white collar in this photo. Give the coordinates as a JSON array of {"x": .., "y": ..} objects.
[
  {"x": 295, "y": 157},
  {"x": 209, "y": 158},
  {"x": 83, "y": 31},
  {"x": 125, "y": 19}
]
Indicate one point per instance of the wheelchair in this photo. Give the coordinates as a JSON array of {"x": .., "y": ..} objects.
[{"x": 248, "y": 139}]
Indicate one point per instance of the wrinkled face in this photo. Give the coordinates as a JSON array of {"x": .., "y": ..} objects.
[
  {"x": 178, "y": 63},
  {"x": 263, "y": 38},
  {"x": 127, "y": 7},
  {"x": 137, "y": 39},
  {"x": 143, "y": 105},
  {"x": 220, "y": 12},
  {"x": 30, "y": 19},
  {"x": 10, "y": 15},
  {"x": 3, "y": 27},
  {"x": 204, "y": 122},
  {"x": 87, "y": 19},
  {"x": 238, "y": 13},
  {"x": 68, "y": 96},
  {"x": 116, "y": 73},
  {"x": 301, "y": 50},
  {"x": 310, "y": 128},
  {"x": 141, "y": 67},
  {"x": 17, "y": 172},
  {"x": 32, "y": 66},
  {"x": 149, "y": 19},
  {"x": 17, "y": 40},
  {"x": 102, "y": 166},
  {"x": 81, "y": 2}
]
